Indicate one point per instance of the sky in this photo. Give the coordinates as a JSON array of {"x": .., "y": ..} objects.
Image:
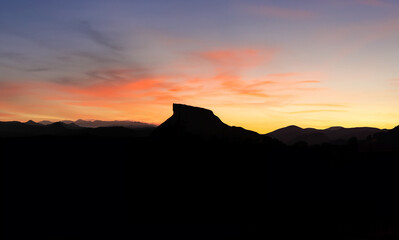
[{"x": 261, "y": 65}]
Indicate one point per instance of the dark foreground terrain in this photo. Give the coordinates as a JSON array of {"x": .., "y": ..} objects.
[{"x": 176, "y": 183}]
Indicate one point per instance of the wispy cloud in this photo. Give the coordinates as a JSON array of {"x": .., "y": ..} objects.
[
  {"x": 355, "y": 37},
  {"x": 321, "y": 105},
  {"x": 232, "y": 57},
  {"x": 380, "y": 4},
  {"x": 13, "y": 56},
  {"x": 38, "y": 69},
  {"x": 308, "y": 81},
  {"x": 394, "y": 82},
  {"x": 278, "y": 12},
  {"x": 304, "y": 108},
  {"x": 98, "y": 36},
  {"x": 374, "y": 3},
  {"x": 316, "y": 111},
  {"x": 98, "y": 58},
  {"x": 5, "y": 115},
  {"x": 236, "y": 59},
  {"x": 229, "y": 64}
]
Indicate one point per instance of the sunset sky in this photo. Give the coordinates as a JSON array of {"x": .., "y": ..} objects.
[{"x": 261, "y": 65}]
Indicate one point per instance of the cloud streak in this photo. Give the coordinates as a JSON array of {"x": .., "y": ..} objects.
[
  {"x": 236, "y": 58},
  {"x": 316, "y": 111},
  {"x": 374, "y": 3},
  {"x": 9, "y": 116},
  {"x": 279, "y": 12},
  {"x": 99, "y": 37}
]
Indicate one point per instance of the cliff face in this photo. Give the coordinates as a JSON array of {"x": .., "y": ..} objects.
[{"x": 196, "y": 122}]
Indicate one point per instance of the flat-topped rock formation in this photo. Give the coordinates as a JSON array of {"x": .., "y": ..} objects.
[{"x": 196, "y": 122}]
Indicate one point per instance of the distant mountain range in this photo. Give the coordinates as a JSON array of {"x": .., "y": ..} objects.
[
  {"x": 31, "y": 129},
  {"x": 99, "y": 123},
  {"x": 189, "y": 122}
]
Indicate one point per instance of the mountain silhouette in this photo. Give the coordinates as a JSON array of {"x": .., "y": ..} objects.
[
  {"x": 293, "y": 134},
  {"x": 33, "y": 123},
  {"x": 62, "y": 125},
  {"x": 32, "y": 129},
  {"x": 195, "y": 122},
  {"x": 45, "y": 122},
  {"x": 100, "y": 123}
]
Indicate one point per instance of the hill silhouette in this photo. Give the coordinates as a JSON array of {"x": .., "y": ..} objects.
[{"x": 293, "y": 134}]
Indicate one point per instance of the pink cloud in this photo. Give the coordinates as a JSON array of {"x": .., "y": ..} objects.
[
  {"x": 308, "y": 81},
  {"x": 279, "y": 75},
  {"x": 395, "y": 82},
  {"x": 7, "y": 116},
  {"x": 231, "y": 56},
  {"x": 237, "y": 58}
]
